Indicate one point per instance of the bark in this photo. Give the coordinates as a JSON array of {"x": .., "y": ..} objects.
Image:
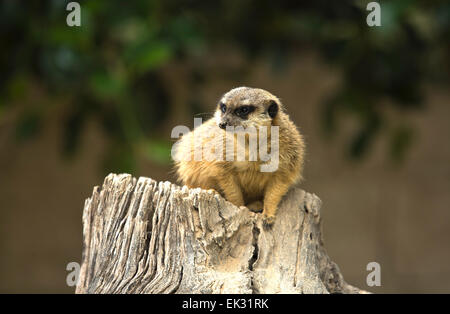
[{"x": 143, "y": 236}]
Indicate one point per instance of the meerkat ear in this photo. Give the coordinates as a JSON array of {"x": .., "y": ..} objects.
[{"x": 273, "y": 109}]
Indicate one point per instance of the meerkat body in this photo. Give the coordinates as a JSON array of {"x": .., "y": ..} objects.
[{"x": 243, "y": 182}]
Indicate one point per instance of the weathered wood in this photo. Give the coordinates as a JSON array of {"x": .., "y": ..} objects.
[{"x": 141, "y": 236}]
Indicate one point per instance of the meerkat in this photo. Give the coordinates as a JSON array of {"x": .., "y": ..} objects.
[{"x": 242, "y": 182}]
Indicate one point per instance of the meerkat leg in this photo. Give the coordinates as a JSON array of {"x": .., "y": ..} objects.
[
  {"x": 231, "y": 189},
  {"x": 272, "y": 197}
]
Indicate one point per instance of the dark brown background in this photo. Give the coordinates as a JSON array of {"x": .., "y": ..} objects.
[
  {"x": 77, "y": 103},
  {"x": 397, "y": 216}
]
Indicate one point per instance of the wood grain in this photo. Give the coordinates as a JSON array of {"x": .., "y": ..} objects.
[{"x": 143, "y": 236}]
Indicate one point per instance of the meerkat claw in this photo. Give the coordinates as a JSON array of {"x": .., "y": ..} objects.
[{"x": 268, "y": 221}]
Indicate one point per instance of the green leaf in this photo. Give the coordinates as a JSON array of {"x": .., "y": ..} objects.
[
  {"x": 106, "y": 85},
  {"x": 158, "y": 151},
  {"x": 401, "y": 140},
  {"x": 28, "y": 126},
  {"x": 119, "y": 159},
  {"x": 148, "y": 56}
]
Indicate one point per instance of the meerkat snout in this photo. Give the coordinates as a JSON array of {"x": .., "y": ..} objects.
[{"x": 223, "y": 125}]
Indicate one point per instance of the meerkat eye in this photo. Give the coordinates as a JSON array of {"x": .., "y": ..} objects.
[
  {"x": 223, "y": 108},
  {"x": 244, "y": 110},
  {"x": 273, "y": 109}
]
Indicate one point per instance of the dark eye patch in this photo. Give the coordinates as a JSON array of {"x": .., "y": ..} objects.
[
  {"x": 244, "y": 111},
  {"x": 223, "y": 108},
  {"x": 273, "y": 109}
]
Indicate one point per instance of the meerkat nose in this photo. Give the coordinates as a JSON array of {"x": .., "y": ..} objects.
[{"x": 223, "y": 125}]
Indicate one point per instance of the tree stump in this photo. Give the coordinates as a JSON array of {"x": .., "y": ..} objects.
[{"x": 143, "y": 236}]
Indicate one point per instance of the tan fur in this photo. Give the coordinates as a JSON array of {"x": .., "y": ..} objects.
[{"x": 242, "y": 182}]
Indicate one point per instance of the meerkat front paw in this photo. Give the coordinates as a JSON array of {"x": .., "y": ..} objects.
[{"x": 268, "y": 220}]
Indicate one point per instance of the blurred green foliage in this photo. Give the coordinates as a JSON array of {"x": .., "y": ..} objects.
[{"x": 109, "y": 69}]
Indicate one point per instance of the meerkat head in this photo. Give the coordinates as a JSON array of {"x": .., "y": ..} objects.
[{"x": 245, "y": 106}]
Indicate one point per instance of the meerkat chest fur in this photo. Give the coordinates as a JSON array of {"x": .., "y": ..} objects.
[
  {"x": 265, "y": 162},
  {"x": 251, "y": 181}
]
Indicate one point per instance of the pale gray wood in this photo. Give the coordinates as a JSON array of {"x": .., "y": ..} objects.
[{"x": 143, "y": 236}]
